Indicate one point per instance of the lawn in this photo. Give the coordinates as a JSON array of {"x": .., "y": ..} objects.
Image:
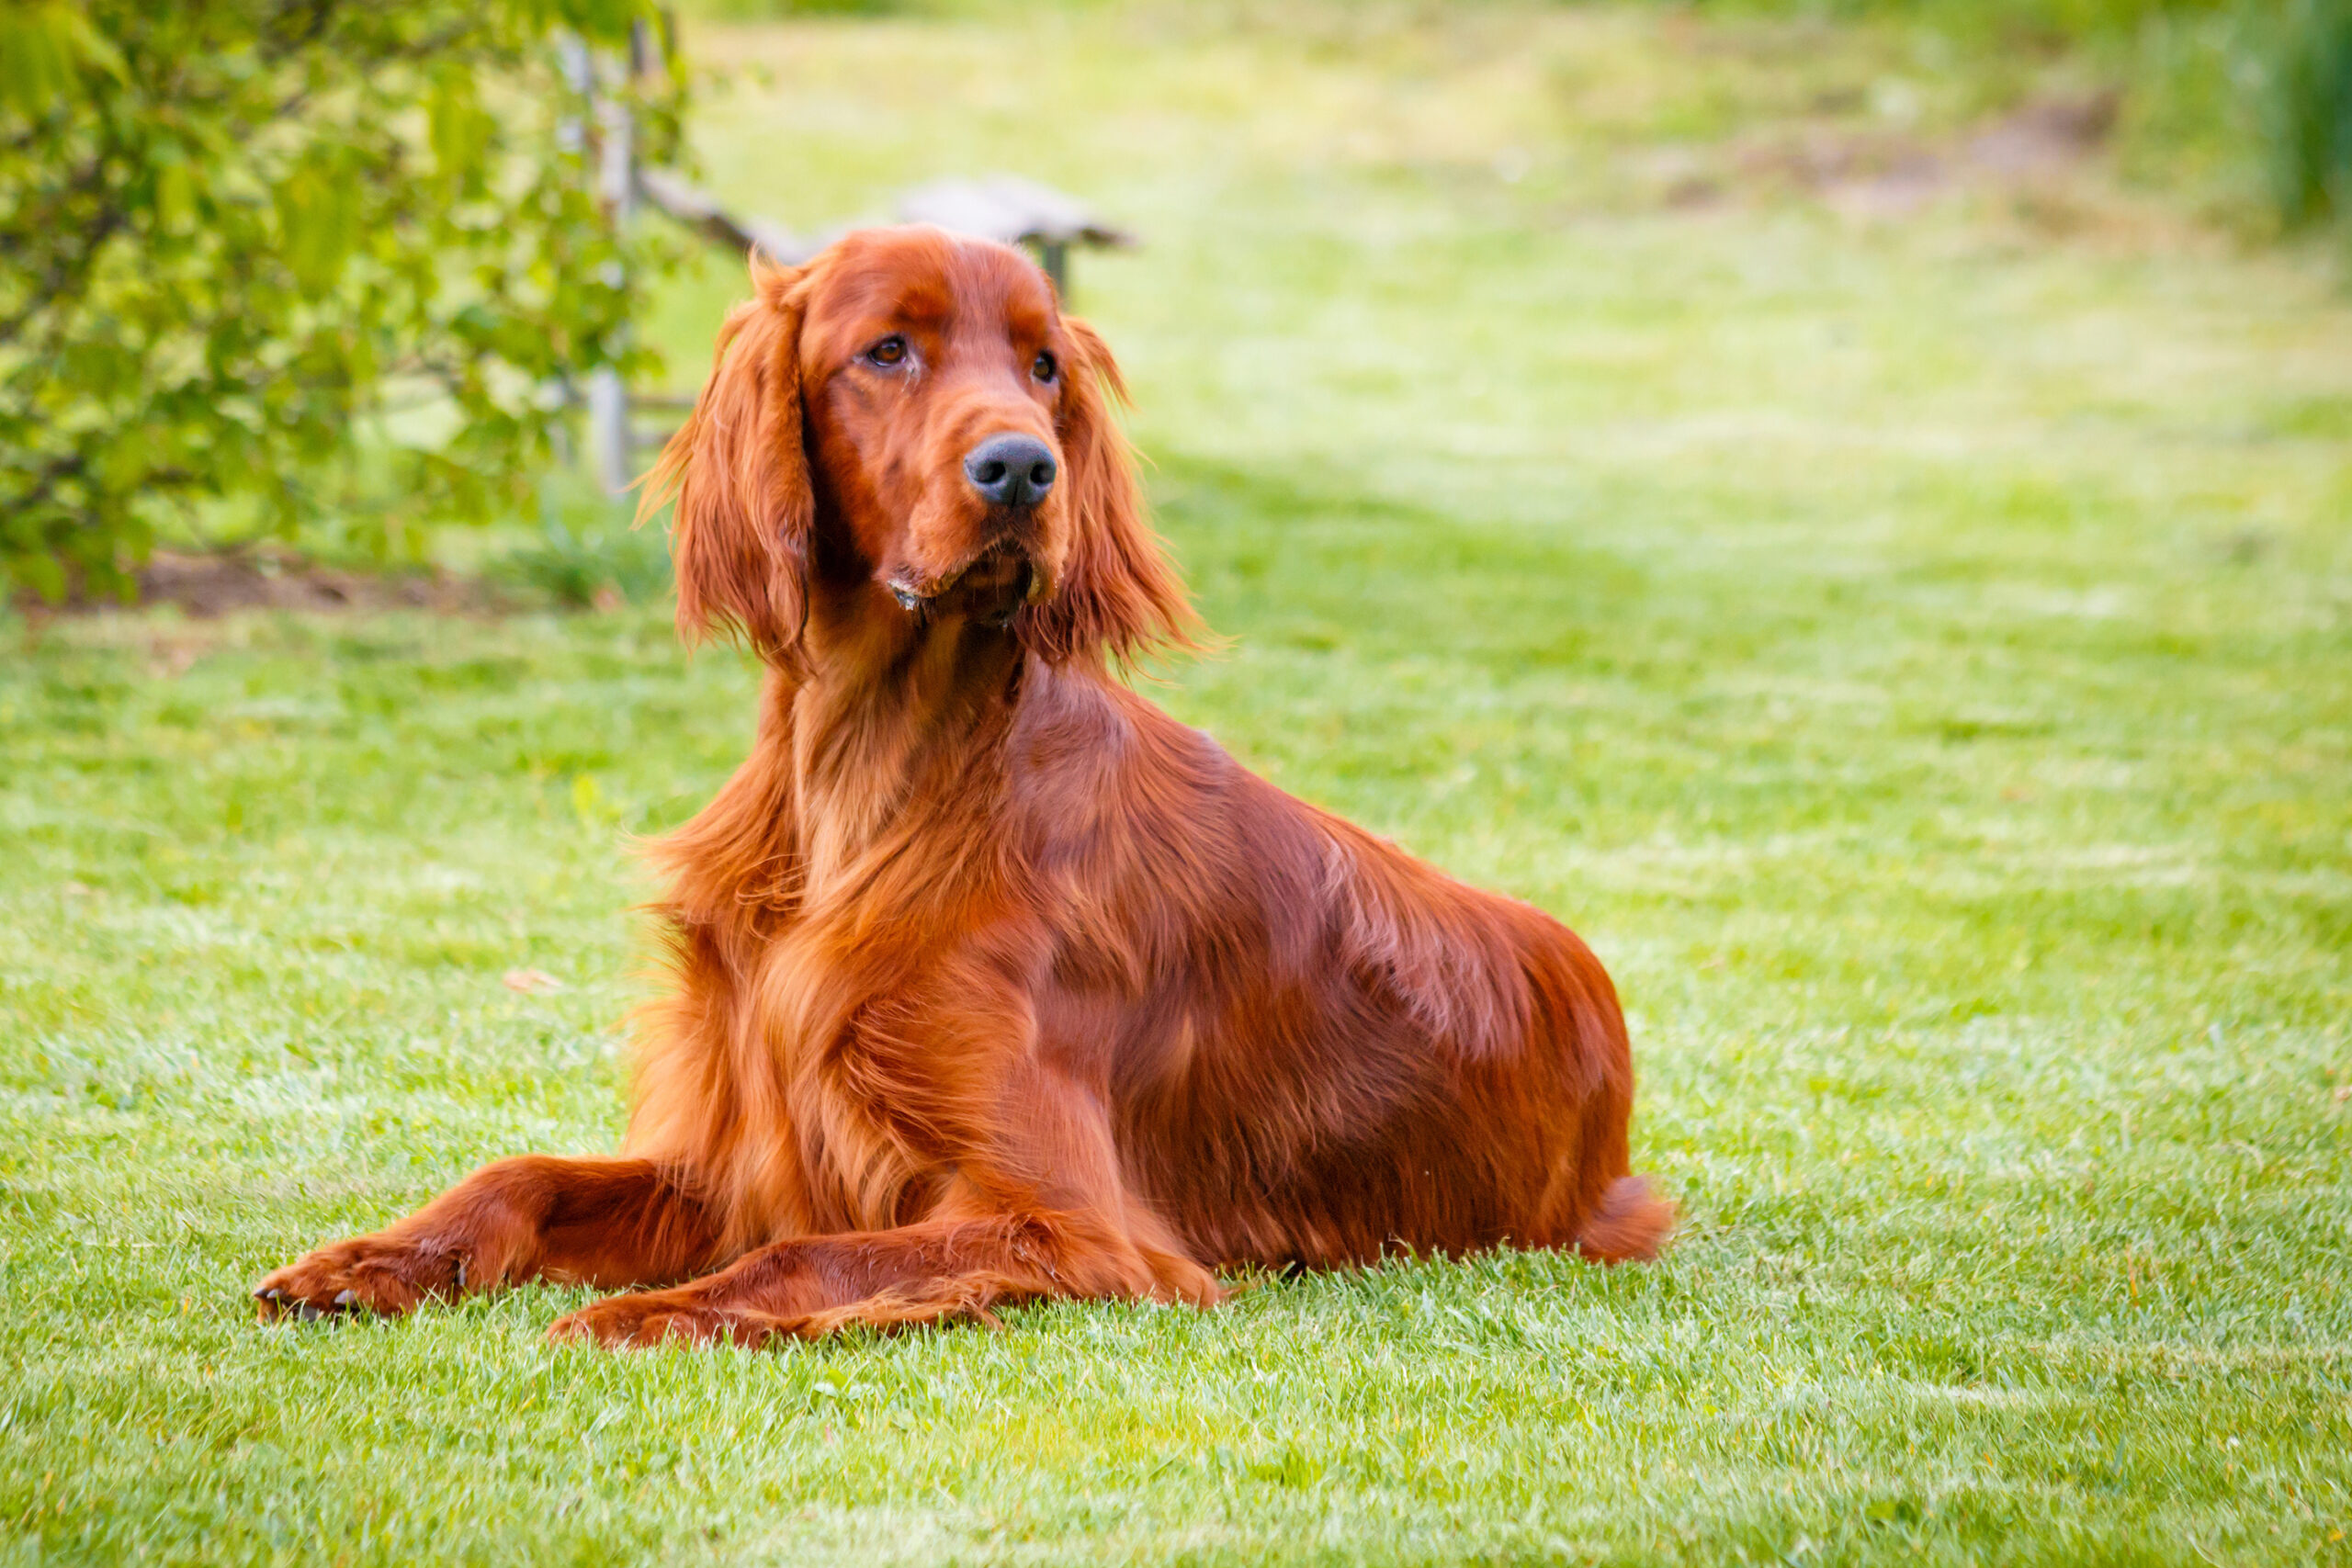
[{"x": 1903, "y": 620}]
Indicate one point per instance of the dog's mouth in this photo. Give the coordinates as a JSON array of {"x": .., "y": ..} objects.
[{"x": 989, "y": 589}]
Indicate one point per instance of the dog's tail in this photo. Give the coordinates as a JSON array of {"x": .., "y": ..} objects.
[{"x": 1631, "y": 1225}]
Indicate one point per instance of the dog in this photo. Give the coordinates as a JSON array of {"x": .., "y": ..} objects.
[{"x": 988, "y": 983}]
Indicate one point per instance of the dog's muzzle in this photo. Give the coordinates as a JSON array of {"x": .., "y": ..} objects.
[{"x": 991, "y": 590}]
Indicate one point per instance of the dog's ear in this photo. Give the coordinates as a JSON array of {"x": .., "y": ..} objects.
[
  {"x": 739, "y": 471},
  {"x": 1118, "y": 597}
]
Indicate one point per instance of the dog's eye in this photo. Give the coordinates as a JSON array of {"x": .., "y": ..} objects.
[
  {"x": 891, "y": 353},
  {"x": 1043, "y": 367}
]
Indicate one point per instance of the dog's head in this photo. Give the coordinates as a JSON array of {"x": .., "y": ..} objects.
[{"x": 910, "y": 427}]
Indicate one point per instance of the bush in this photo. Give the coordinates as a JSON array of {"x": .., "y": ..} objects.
[
  {"x": 2308, "y": 96},
  {"x": 270, "y": 259}
]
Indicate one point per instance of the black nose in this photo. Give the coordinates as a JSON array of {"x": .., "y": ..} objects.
[{"x": 1011, "y": 471}]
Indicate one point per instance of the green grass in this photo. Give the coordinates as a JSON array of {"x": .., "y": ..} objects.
[{"x": 1916, "y": 652}]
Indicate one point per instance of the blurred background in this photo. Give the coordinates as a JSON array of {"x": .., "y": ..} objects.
[{"x": 344, "y": 284}]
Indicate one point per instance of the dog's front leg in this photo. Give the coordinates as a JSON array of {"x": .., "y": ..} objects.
[
  {"x": 941, "y": 1089},
  {"x": 607, "y": 1222},
  {"x": 935, "y": 1271}
]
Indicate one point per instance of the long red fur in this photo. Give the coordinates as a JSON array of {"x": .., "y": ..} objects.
[{"x": 989, "y": 981}]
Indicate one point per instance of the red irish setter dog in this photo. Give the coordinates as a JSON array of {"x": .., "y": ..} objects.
[{"x": 993, "y": 983}]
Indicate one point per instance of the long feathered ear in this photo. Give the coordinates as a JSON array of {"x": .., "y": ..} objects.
[
  {"x": 1119, "y": 597},
  {"x": 739, "y": 471}
]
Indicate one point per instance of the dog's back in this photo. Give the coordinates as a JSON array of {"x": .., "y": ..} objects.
[{"x": 1317, "y": 1048}]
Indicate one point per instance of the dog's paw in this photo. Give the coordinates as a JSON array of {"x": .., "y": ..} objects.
[
  {"x": 650, "y": 1317},
  {"x": 366, "y": 1274}
]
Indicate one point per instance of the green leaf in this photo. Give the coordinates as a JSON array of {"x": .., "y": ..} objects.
[
  {"x": 44, "y": 49},
  {"x": 175, "y": 188},
  {"x": 459, "y": 129},
  {"x": 317, "y": 208}
]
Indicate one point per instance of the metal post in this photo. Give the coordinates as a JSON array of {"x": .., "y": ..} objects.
[
  {"x": 609, "y": 429},
  {"x": 616, "y": 187},
  {"x": 570, "y": 139}
]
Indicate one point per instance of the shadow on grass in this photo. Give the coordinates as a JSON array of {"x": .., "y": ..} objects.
[{"x": 1308, "y": 561}]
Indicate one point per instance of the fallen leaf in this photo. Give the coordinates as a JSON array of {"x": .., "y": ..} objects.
[{"x": 531, "y": 982}]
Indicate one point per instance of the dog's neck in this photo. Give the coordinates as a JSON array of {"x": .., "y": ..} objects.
[{"x": 894, "y": 718}]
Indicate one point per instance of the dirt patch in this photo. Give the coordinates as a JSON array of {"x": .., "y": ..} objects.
[
  {"x": 2049, "y": 133},
  {"x": 204, "y": 586},
  {"x": 1891, "y": 174}
]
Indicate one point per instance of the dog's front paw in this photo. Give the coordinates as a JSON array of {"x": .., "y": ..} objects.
[
  {"x": 368, "y": 1274},
  {"x": 650, "y": 1317}
]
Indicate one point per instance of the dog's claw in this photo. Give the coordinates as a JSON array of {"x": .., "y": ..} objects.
[
  {"x": 907, "y": 597},
  {"x": 268, "y": 1293},
  {"x": 345, "y": 1298},
  {"x": 310, "y": 1313}
]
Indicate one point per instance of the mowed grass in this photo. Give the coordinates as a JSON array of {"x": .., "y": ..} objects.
[{"x": 1914, "y": 648}]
